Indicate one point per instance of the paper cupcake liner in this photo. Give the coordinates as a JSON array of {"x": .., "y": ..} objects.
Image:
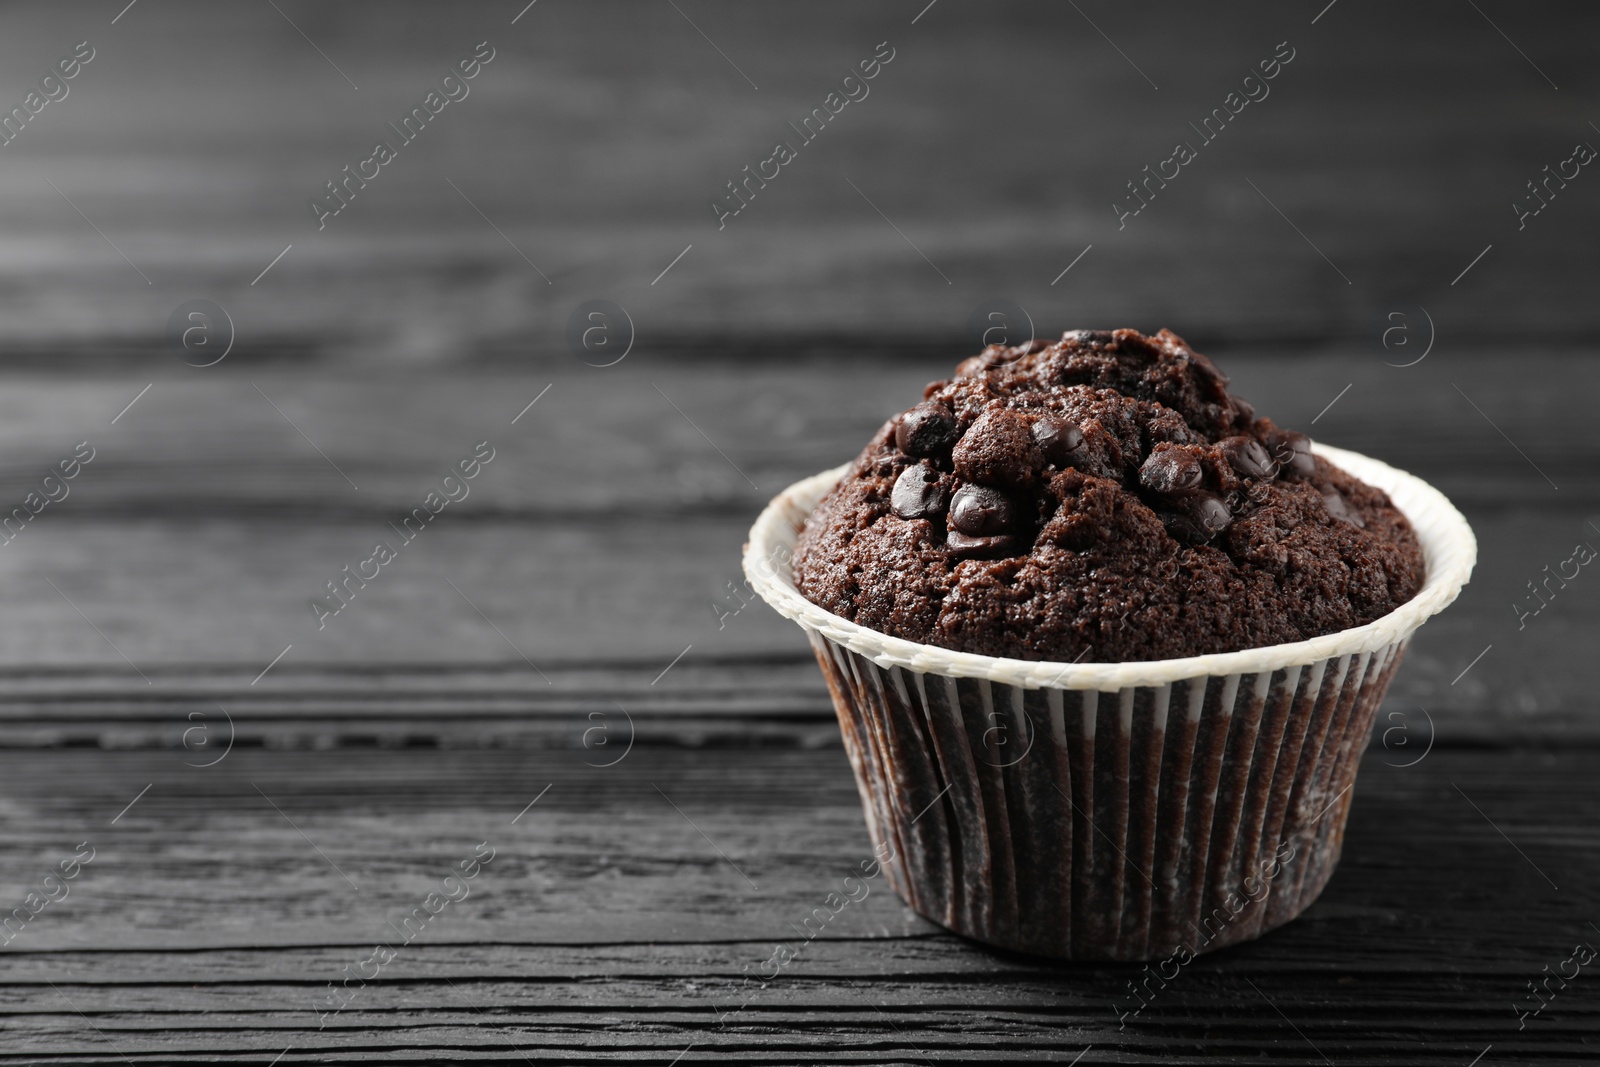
[{"x": 1111, "y": 811}]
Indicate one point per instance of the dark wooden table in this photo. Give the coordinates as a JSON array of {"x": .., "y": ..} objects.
[{"x": 555, "y": 669}]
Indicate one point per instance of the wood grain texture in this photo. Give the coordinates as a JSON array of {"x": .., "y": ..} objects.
[
  {"x": 996, "y": 141},
  {"x": 607, "y": 529},
  {"x": 601, "y": 542},
  {"x": 607, "y": 927}
]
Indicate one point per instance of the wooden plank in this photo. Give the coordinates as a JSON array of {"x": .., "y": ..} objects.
[
  {"x": 607, "y": 529},
  {"x": 200, "y": 168},
  {"x": 596, "y": 547},
  {"x": 610, "y": 443},
  {"x": 205, "y": 923},
  {"x": 601, "y": 609}
]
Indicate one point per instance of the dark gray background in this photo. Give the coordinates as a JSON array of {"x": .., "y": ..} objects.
[{"x": 602, "y": 539}]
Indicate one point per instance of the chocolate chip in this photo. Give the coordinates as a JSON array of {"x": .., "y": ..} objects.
[
  {"x": 1293, "y": 452},
  {"x": 1057, "y": 438},
  {"x": 917, "y": 493},
  {"x": 1246, "y": 456},
  {"x": 1340, "y": 508},
  {"x": 1172, "y": 473},
  {"x": 979, "y": 511},
  {"x": 1198, "y": 520},
  {"x": 1210, "y": 513},
  {"x": 929, "y": 429},
  {"x": 964, "y": 547}
]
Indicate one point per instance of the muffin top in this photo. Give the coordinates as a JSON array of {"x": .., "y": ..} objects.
[{"x": 1100, "y": 499}]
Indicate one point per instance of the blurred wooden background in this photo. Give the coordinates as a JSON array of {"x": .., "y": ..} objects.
[{"x": 599, "y": 544}]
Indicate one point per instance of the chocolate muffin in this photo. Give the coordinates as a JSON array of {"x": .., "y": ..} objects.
[
  {"x": 1101, "y": 499},
  {"x": 1104, "y": 500}
]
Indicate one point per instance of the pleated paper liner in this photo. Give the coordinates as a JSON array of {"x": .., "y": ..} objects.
[{"x": 1111, "y": 811}]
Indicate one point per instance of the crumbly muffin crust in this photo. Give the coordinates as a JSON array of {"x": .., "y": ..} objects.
[{"x": 1103, "y": 498}]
